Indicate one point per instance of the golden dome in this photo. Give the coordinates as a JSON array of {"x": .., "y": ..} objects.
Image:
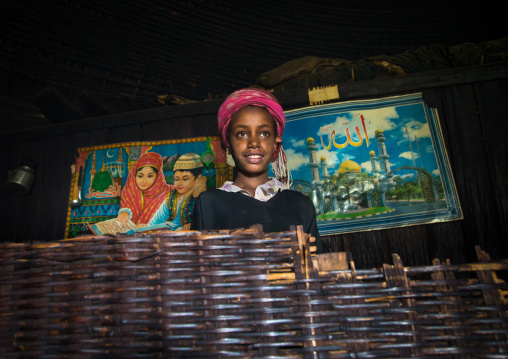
[
  {"x": 349, "y": 166},
  {"x": 310, "y": 140},
  {"x": 372, "y": 153},
  {"x": 323, "y": 158}
]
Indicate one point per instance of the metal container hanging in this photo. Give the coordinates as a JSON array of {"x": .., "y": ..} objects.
[{"x": 21, "y": 179}]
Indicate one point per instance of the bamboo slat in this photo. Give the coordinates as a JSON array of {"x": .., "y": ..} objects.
[{"x": 241, "y": 293}]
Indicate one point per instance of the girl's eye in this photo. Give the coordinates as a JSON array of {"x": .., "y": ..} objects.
[
  {"x": 241, "y": 134},
  {"x": 264, "y": 134}
]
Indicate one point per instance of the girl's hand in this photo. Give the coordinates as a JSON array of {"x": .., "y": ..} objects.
[{"x": 123, "y": 218}]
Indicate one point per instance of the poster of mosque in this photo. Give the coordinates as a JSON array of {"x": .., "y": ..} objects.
[
  {"x": 142, "y": 186},
  {"x": 372, "y": 164}
]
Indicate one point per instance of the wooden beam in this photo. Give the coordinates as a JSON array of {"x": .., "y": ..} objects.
[
  {"x": 292, "y": 99},
  {"x": 289, "y": 99}
]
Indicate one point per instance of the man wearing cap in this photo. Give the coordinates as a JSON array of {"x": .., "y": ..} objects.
[{"x": 177, "y": 213}]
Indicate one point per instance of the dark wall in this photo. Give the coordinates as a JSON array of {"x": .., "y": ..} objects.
[{"x": 473, "y": 111}]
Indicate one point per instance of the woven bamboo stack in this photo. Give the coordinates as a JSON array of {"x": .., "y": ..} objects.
[{"x": 241, "y": 294}]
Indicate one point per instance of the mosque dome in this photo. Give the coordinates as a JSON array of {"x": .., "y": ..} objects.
[
  {"x": 310, "y": 140},
  {"x": 349, "y": 167},
  {"x": 101, "y": 181},
  {"x": 323, "y": 158},
  {"x": 372, "y": 153}
]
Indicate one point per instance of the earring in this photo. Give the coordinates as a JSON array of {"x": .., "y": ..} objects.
[{"x": 229, "y": 159}]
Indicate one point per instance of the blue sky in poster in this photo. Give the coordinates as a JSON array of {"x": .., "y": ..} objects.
[{"x": 394, "y": 121}]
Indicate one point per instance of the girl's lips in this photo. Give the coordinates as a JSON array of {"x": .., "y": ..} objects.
[{"x": 253, "y": 159}]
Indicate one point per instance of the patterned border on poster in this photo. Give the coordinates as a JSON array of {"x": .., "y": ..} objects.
[
  {"x": 104, "y": 174},
  {"x": 371, "y": 164}
]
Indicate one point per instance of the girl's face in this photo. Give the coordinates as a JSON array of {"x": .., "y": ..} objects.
[
  {"x": 253, "y": 140},
  {"x": 145, "y": 178},
  {"x": 184, "y": 182}
]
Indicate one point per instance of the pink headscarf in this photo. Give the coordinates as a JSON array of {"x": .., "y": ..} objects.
[{"x": 255, "y": 97}]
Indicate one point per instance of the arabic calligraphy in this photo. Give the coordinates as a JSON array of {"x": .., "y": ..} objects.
[{"x": 349, "y": 139}]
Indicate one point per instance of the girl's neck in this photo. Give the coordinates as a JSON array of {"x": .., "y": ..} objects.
[{"x": 250, "y": 183}]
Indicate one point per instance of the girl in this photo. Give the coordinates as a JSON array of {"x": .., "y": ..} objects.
[
  {"x": 251, "y": 123},
  {"x": 145, "y": 190}
]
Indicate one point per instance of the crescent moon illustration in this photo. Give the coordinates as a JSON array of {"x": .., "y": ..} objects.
[{"x": 107, "y": 153}]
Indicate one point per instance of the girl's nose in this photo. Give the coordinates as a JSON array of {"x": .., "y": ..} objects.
[{"x": 253, "y": 142}]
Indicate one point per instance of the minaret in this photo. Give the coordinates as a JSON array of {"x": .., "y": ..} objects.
[
  {"x": 93, "y": 171},
  {"x": 324, "y": 166},
  {"x": 383, "y": 156},
  {"x": 118, "y": 181},
  {"x": 313, "y": 163},
  {"x": 119, "y": 160},
  {"x": 374, "y": 163},
  {"x": 318, "y": 196}
]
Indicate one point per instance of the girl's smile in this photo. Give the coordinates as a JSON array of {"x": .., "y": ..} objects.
[
  {"x": 253, "y": 141},
  {"x": 254, "y": 158}
]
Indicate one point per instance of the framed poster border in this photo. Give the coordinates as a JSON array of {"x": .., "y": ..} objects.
[{"x": 451, "y": 212}]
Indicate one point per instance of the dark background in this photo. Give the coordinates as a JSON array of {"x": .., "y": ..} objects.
[
  {"x": 86, "y": 73},
  {"x": 63, "y": 60}
]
